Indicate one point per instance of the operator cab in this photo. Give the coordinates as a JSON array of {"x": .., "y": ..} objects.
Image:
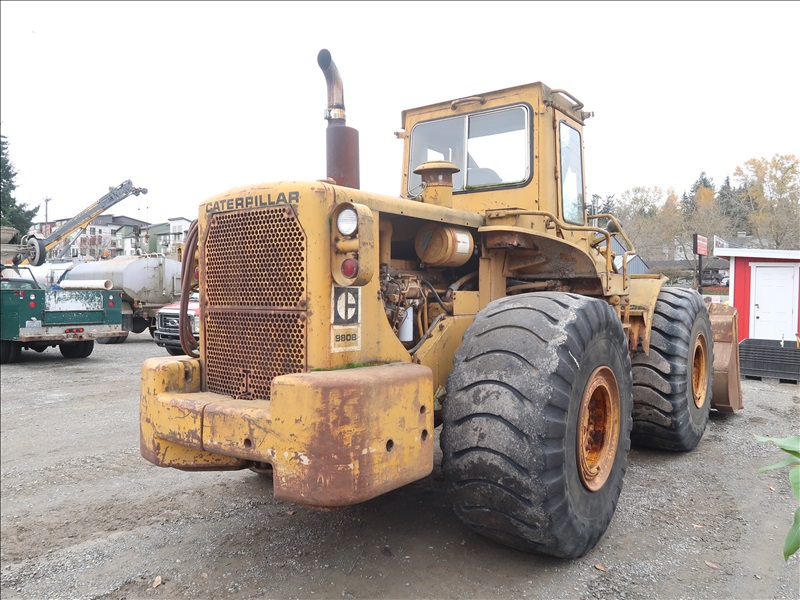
[{"x": 506, "y": 146}]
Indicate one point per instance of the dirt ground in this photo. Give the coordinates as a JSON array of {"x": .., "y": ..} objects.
[{"x": 84, "y": 516}]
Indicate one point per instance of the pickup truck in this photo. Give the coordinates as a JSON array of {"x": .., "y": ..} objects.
[
  {"x": 167, "y": 332},
  {"x": 33, "y": 318}
]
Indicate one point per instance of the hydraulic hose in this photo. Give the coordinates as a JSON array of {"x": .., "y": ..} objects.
[{"x": 188, "y": 343}]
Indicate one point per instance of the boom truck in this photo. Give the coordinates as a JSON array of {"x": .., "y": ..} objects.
[
  {"x": 340, "y": 327},
  {"x": 87, "y": 215}
]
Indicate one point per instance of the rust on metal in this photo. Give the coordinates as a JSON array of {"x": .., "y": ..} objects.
[
  {"x": 727, "y": 389},
  {"x": 334, "y": 438},
  {"x": 598, "y": 428},
  {"x": 255, "y": 299},
  {"x": 341, "y": 141},
  {"x": 700, "y": 371}
]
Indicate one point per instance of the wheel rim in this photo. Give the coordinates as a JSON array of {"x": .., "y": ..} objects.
[
  {"x": 598, "y": 428},
  {"x": 700, "y": 371}
]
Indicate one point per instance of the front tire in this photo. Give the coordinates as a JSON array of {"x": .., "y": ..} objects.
[
  {"x": 536, "y": 422},
  {"x": 113, "y": 340},
  {"x": 672, "y": 386},
  {"x": 175, "y": 351}
]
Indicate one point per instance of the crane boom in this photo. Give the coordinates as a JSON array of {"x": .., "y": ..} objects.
[{"x": 83, "y": 218}]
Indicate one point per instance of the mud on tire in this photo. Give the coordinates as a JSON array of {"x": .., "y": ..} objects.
[
  {"x": 526, "y": 464},
  {"x": 672, "y": 386}
]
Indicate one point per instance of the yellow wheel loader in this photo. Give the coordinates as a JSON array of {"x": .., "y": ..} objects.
[{"x": 340, "y": 327}]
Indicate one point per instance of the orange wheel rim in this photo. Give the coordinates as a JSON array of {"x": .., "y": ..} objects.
[
  {"x": 700, "y": 371},
  {"x": 598, "y": 428}
]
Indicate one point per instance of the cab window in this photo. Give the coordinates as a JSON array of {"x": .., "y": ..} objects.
[
  {"x": 572, "y": 201},
  {"x": 490, "y": 148}
]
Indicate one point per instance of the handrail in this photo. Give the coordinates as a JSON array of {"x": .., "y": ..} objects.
[{"x": 492, "y": 214}]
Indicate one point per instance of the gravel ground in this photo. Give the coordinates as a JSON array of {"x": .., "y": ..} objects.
[{"x": 84, "y": 516}]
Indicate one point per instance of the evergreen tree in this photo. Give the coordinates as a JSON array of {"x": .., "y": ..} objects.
[
  {"x": 18, "y": 216},
  {"x": 688, "y": 206},
  {"x": 702, "y": 181},
  {"x": 734, "y": 203}
]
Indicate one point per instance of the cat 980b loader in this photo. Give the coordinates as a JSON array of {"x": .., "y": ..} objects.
[{"x": 340, "y": 327}]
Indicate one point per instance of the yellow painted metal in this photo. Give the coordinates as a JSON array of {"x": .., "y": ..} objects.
[
  {"x": 360, "y": 246},
  {"x": 726, "y": 394},
  {"x": 170, "y": 434},
  {"x": 438, "y": 351},
  {"x": 334, "y": 438},
  {"x": 644, "y": 291}
]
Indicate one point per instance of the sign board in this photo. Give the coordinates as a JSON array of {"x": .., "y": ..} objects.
[{"x": 700, "y": 244}]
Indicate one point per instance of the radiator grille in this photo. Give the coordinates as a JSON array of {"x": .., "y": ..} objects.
[
  {"x": 256, "y": 258},
  {"x": 244, "y": 352},
  {"x": 255, "y": 283}
]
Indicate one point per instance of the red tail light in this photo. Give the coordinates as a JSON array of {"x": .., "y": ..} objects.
[
  {"x": 32, "y": 304},
  {"x": 349, "y": 268},
  {"x": 111, "y": 303}
]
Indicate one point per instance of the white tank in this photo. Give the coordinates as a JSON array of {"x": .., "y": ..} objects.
[
  {"x": 150, "y": 279},
  {"x": 50, "y": 272}
]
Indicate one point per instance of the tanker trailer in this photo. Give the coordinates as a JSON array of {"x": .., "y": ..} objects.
[{"x": 147, "y": 282}]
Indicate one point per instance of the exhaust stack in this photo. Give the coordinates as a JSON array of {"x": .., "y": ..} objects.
[{"x": 341, "y": 141}]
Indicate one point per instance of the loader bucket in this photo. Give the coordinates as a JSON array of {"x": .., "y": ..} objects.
[{"x": 727, "y": 390}]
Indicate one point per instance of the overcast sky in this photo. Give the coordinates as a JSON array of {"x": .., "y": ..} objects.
[{"x": 190, "y": 99}]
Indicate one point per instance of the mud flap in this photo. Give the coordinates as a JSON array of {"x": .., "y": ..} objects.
[{"x": 727, "y": 390}]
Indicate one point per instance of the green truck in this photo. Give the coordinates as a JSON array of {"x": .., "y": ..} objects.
[{"x": 33, "y": 318}]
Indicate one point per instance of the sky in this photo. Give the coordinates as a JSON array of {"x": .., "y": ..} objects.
[{"x": 190, "y": 99}]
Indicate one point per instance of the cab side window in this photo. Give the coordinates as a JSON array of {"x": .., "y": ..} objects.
[{"x": 572, "y": 201}]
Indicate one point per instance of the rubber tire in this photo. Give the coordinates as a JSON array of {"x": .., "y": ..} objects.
[
  {"x": 71, "y": 350},
  {"x": 113, "y": 340},
  {"x": 140, "y": 324},
  {"x": 510, "y": 422},
  {"x": 665, "y": 416},
  {"x": 10, "y": 352},
  {"x": 175, "y": 351},
  {"x": 88, "y": 347},
  {"x": 37, "y": 252}
]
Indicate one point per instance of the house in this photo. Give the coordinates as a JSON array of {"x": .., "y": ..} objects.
[
  {"x": 765, "y": 289},
  {"x": 635, "y": 265}
]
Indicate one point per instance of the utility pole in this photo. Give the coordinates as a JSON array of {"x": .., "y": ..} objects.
[{"x": 46, "y": 220}]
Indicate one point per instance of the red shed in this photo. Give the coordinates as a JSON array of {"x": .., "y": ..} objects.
[{"x": 765, "y": 289}]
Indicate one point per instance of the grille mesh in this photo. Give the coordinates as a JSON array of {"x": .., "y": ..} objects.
[
  {"x": 246, "y": 351},
  {"x": 256, "y": 258},
  {"x": 255, "y": 283}
]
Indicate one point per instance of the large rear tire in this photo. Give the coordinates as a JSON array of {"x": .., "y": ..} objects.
[
  {"x": 672, "y": 386},
  {"x": 10, "y": 352},
  {"x": 536, "y": 422},
  {"x": 71, "y": 350},
  {"x": 77, "y": 349}
]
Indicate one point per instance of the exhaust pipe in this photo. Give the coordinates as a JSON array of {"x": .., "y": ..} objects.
[{"x": 341, "y": 141}]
